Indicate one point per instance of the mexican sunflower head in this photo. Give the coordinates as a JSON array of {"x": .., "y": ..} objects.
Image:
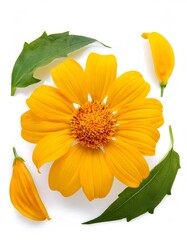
[{"x": 93, "y": 125}]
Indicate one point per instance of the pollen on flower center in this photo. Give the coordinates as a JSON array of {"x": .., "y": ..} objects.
[{"x": 93, "y": 124}]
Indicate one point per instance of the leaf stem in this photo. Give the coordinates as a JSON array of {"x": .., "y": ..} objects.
[
  {"x": 13, "y": 90},
  {"x": 171, "y": 136},
  {"x": 162, "y": 91},
  {"x": 16, "y": 156},
  {"x": 162, "y": 86},
  {"x": 15, "y": 153}
]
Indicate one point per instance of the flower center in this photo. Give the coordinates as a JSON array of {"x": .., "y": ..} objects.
[{"x": 93, "y": 124}]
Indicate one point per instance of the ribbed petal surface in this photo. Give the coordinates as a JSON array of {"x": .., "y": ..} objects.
[
  {"x": 34, "y": 128},
  {"x": 64, "y": 173},
  {"x": 126, "y": 89},
  {"x": 126, "y": 163},
  {"x": 144, "y": 111},
  {"x": 95, "y": 177},
  {"x": 69, "y": 77},
  {"x": 52, "y": 147},
  {"x": 100, "y": 73},
  {"x": 48, "y": 104},
  {"x": 163, "y": 55}
]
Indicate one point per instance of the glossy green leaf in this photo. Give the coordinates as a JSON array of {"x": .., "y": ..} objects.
[
  {"x": 41, "y": 52},
  {"x": 133, "y": 202}
]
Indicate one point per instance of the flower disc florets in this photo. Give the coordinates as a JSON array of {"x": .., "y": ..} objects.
[{"x": 93, "y": 124}]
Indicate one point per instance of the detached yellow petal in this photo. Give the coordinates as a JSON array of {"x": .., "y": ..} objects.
[
  {"x": 163, "y": 57},
  {"x": 23, "y": 193}
]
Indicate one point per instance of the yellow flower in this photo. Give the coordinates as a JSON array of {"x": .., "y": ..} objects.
[
  {"x": 105, "y": 137},
  {"x": 163, "y": 57},
  {"x": 23, "y": 193}
]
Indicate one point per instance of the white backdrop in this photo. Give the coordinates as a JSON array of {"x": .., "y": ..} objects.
[{"x": 118, "y": 24}]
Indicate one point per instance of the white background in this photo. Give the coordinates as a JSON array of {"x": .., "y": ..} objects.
[{"x": 118, "y": 24}]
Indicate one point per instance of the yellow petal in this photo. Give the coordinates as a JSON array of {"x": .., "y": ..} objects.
[
  {"x": 52, "y": 147},
  {"x": 147, "y": 110},
  {"x": 139, "y": 135},
  {"x": 163, "y": 57},
  {"x": 34, "y": 128},
  {"x": 95, "y": 177},
  {"x": 48, "y": 104},
  {"x": 69, "y": 77},
  {"x": 24, "y": 195},
  {"x": 126, "y": 89},
  {"x": 64, "y": 173},
  {"x": 126, "y": 163},
  {"x": 100, "y": 72}
]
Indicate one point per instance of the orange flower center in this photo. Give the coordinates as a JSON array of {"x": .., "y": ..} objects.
[{"x": 93, "y": 124}]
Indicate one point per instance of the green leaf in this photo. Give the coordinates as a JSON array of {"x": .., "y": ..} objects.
[
  {"x": 41, "y": 52},
  {"x": 133, "y": 202}
]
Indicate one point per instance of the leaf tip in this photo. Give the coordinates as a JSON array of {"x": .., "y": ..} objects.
[
  {"x": 25, "y": 46},
  {"x": 128, "y": 219},
  {"x": 151, "y": 211},
  {"x": 88, "y": 222},
  {"x": 13, "y": 90},
  {"x": 95, "y": 220},
  {"x": 44, "y": 35}
]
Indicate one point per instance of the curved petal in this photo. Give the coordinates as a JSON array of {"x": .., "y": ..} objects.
[
  {"x": 24, "y": 194},
  {"x": 47, "y": 103},
  {"x": 126, "y": 163},
  {"x": 34, "y": 128},
  {"x": 139, "y": 135},
  {"x": 64, "y": 173},
  {"x": 127, "y": 88},
  {"x": 52, "y": 147},
  {"x": 100, "y": 72},
  {"x": 69, "y": 77},
  {"x": 95, "y": 177},
  {"x": 147, "y": 110},
  {"x": 163, "y": 55}
]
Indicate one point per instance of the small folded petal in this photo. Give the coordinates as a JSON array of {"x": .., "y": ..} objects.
[
  {"x": 23, "y": 193},
  {"x": 69, "y": 77},
  {"x": 126, "y": 163},
  {"x": 126, "y": 89},
  {"x": 64, "y": 173},
  {"x": 47, "y": 103},
  {"x": 100, "y": 73},
  {"x": 52, "y": 147},
  {"x": 95, "y": 177},
  {"x": 34, "y": 128},
  {"x": 163, "y": 57}
]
